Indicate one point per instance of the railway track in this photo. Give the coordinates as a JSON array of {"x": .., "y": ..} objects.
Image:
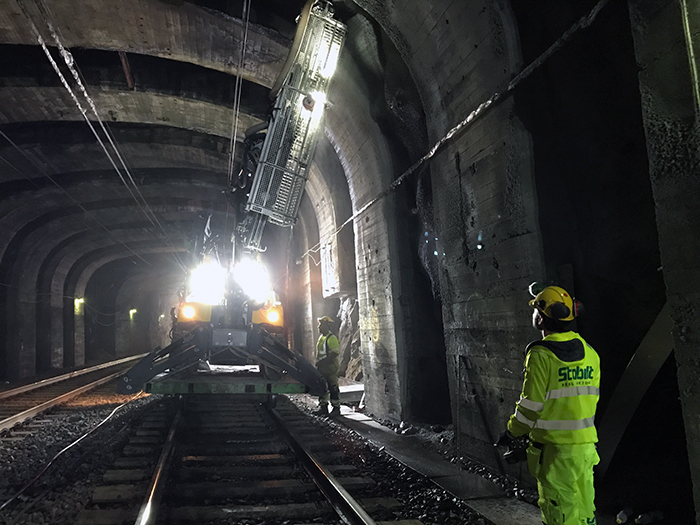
[
  {"x": 20, "y": 404},
  {"x": 233, "y": 459}
]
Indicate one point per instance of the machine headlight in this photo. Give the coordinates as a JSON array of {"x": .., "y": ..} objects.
[
  {"x": 195, "y": 312},
  {"x": 188, "y": 311},
  {"x": 270, "y": 314},
  {"x": 207, "y": 284},
  {"x": 253, "y": 279}
]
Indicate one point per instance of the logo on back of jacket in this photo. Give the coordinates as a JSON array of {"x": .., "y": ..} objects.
[{"x": 576, "y": 376}]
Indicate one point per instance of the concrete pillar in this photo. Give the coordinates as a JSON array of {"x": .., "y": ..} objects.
[{"x": 662, "y": 30}]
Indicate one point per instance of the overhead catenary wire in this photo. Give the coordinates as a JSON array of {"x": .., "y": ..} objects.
[
  {"x": 245, "y": 18},
  {"x": 584, "y": 22},
  {"x": 71, "y": 65},
  {"x": 53, "y": 181}
]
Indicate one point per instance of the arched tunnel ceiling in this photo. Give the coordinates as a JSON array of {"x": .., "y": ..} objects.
[
  {"x": 162, "y": 78},
  {"x": 120, "y": 148}
]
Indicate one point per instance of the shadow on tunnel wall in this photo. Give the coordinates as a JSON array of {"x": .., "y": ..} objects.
[
  {"x": 396, "y": 106},
  {"x": 598, "y": 225}
]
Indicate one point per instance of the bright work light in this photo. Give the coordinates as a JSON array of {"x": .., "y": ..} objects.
[
  {"x": 207, "y": 284},
  {"x": 297, "y": 123},
  {"x": 253, "y": 279}
]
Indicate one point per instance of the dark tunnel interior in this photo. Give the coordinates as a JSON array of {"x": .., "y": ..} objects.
[{"x": 467, "y": 149}]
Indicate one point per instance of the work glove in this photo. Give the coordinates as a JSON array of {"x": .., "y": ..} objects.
[{"x": 504, "y": 440}]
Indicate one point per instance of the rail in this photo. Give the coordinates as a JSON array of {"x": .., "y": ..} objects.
[
  {"x": 148, "y": 514},
  {"x": 35, "y": 409},
  {"x": 349, "y": 510}
]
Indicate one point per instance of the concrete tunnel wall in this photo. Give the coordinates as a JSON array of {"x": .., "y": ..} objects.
[{"x": 583, "y": 175}]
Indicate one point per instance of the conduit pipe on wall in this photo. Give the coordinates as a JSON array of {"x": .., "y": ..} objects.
[
  {"x": 692, "y": 28},
  {"x": 584, "y": 22}
]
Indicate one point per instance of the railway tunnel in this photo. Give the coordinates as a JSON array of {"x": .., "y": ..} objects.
[{"x": 469, "y": 149}]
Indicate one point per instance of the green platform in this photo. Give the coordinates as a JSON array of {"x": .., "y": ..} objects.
[{"x": 221, "y": 380}]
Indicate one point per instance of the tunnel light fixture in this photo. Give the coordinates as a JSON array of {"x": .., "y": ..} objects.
[
  {"x": 132, "y": 312},
  {"x": 77, "y": 304}
]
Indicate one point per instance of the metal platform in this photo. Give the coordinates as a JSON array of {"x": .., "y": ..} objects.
[{"x": 223, "y": 380}]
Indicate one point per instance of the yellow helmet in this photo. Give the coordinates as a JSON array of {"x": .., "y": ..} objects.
[
  {"x": 325, "y": 319},
  {"x": 555, "y": 302}
]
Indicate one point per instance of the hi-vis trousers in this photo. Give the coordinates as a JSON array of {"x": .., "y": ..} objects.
[{"x": 564, "y": 476}]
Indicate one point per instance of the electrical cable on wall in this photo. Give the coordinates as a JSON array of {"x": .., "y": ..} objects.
[{"x": 582, "y": 23}]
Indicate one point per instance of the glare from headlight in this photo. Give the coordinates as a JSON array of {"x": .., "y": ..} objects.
[
  {"x": 253, "y": 279},
  {"x": 273, "y": 316},
  {"x": 188, "y": 312},
  {"x": 207, "y": 284}
]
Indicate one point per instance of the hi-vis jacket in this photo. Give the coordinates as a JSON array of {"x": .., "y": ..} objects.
[
  {"x": 327, "y": 345},
  {"x": 560, "y": 391}
]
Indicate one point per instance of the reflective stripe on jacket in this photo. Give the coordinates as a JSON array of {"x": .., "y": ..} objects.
[
  {"x": 327, "y": 344},
  {"x": 560, "y": 391}
]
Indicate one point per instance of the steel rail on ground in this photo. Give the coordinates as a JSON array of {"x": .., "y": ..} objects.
[
  {"x": 148, "y": 514},
  {"x": 57, "y": 379},
  {"x": 349, "y": 510},
  {"x": 31, "y": 412}
]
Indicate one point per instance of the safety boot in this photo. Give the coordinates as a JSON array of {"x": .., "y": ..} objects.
[
  {"x": 322, "y": 410},
  {"x": 335, "y": 412}
]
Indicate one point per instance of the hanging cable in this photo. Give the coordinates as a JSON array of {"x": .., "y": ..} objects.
[
  {"x": 582, "y": 23},
  {"x": 245, "y": 18},
  {"x": 70, "y": 63},
  {"x": 238, "y": 89},
  {"x": 53, "y": 181},
  {"x": 65, "y": 449}
]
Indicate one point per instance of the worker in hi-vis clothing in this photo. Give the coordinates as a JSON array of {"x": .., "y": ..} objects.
[
  {"x": 327, "y": 352},
  {"x": 557, "y": 410}
]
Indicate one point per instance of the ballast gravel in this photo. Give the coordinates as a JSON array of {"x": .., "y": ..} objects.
[{"x": 66, "y": 486}]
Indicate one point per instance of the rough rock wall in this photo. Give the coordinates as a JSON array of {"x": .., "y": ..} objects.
[
  {"x": 349, "y": 337},
  {"x": 487, "y": 243}
]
